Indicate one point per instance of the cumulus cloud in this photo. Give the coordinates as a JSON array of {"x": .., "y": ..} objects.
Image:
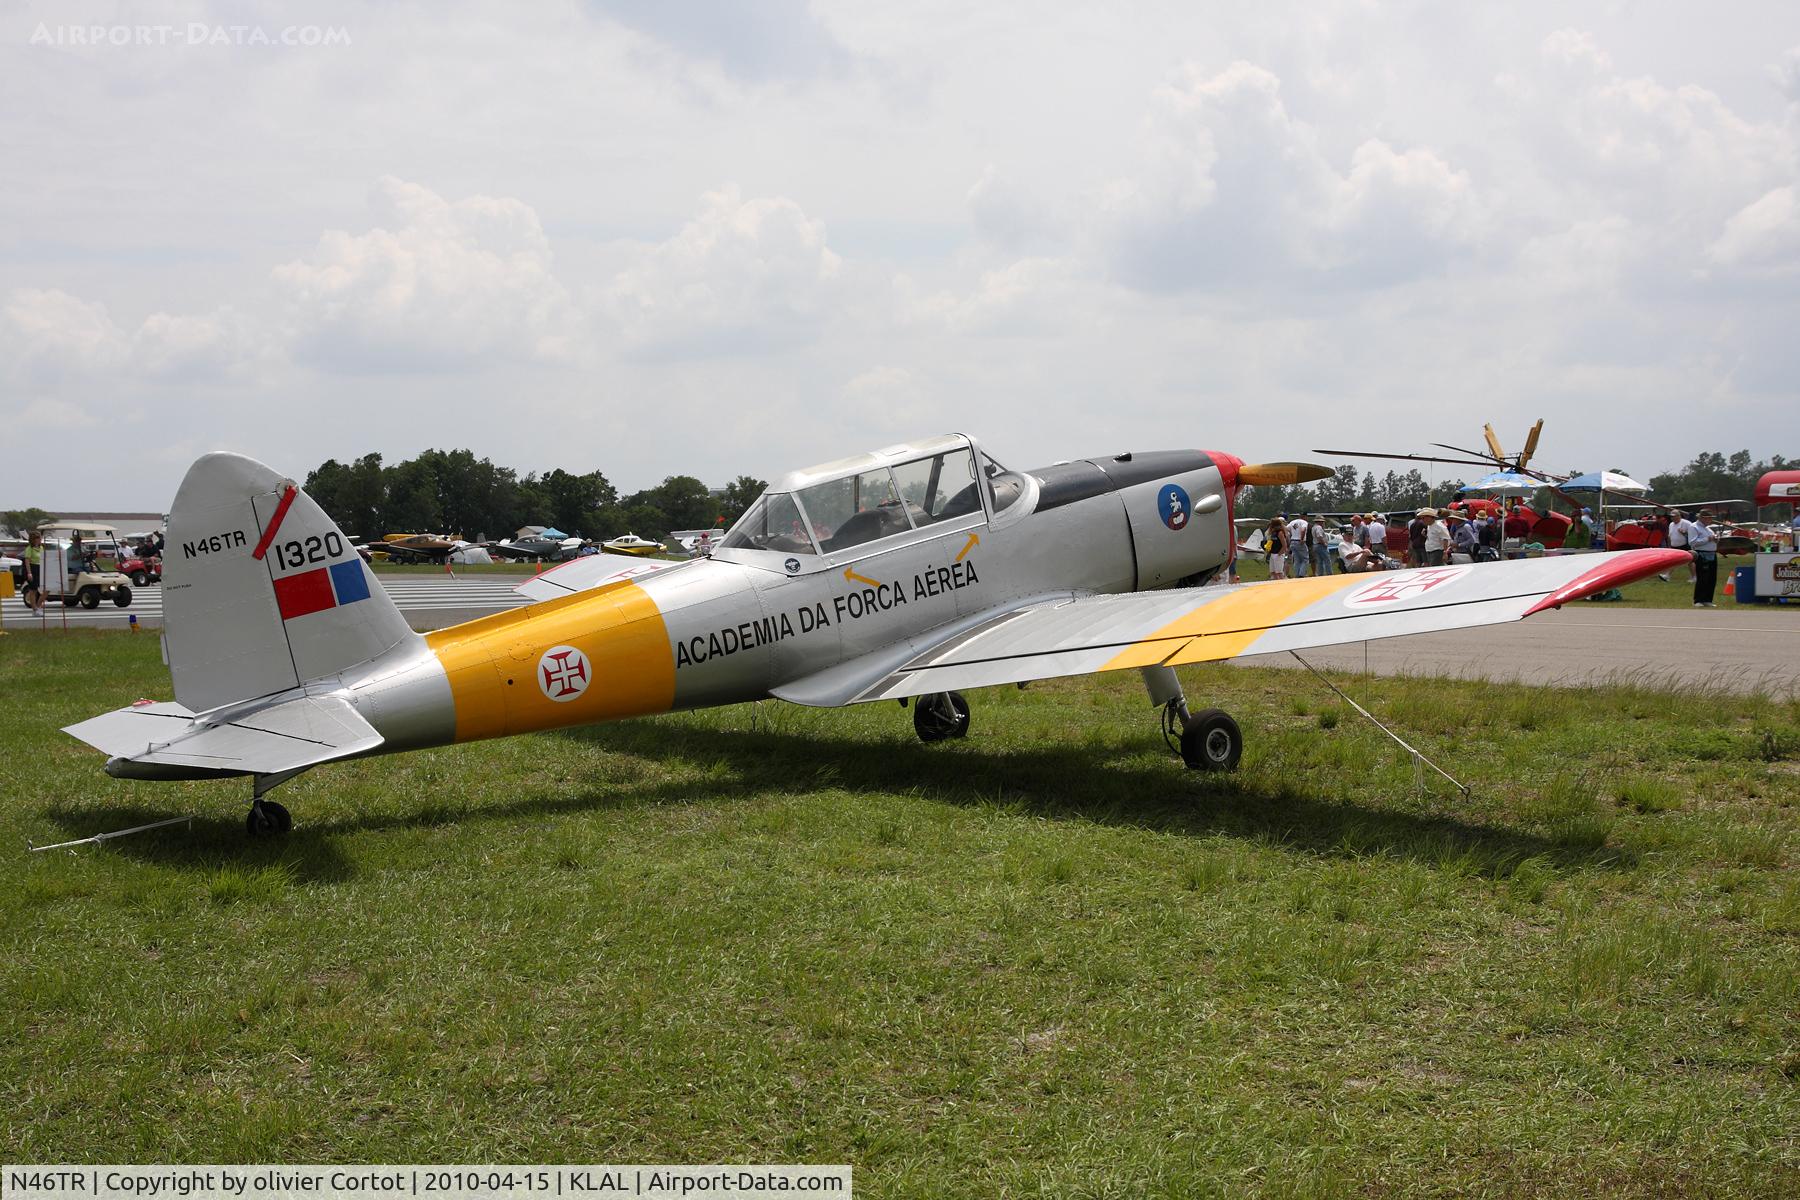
[
  {"x": 436, "y": 283},
  {"x": 1030, "y": 295},
  {"x": 742, "y": 275},
  {"x": 1637, "y": 145},
  {"x": 48, "y": 336},
  {"x": 1763, "y": 237},
  {"x": 1786, "y": 74},
  {"x": 1234, "y": 189}
]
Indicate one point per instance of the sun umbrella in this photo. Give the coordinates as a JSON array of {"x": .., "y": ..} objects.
[
  {"x": 1505, "y": 483},
  {"x": 1604, "y": 481}
]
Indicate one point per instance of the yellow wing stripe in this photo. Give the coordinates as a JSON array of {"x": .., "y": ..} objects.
[
  {"x": 493, "y": 662},
  {"x": 1225, "y": 628}
]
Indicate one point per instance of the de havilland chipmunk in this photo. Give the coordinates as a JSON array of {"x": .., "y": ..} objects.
[{"x": 914, "y": 572}]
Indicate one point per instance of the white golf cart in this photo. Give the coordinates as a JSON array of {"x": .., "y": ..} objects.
[{"x": 77, "y": 568}]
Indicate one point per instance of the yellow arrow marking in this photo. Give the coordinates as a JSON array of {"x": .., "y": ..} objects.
[
  {"x": 969, "y": 545},
  {"x": 853, "y": 577}
]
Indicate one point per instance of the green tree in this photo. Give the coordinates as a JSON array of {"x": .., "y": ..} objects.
[
  {"x": 21, "y": 521},
  {"x": 740, "y": 494},
  {"x": 685, "y": 503},
  {"x": 412, "y": 499}
]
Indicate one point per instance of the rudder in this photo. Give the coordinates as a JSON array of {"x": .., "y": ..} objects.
[{"x": 261, "y": 590}]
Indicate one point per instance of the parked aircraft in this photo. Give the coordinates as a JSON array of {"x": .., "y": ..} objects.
[{"x": 905, "y": 574}]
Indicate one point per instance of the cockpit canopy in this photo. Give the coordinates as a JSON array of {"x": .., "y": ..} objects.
[{"x": 854, "y": 501}]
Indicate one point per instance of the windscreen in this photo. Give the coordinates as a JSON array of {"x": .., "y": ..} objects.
[{"x": 772, "y": 523}]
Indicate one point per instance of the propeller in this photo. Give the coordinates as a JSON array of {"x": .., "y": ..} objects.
[{"x": 1280, "y": 474}]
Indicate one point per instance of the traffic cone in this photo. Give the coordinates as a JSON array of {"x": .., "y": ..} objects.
[{"x": 1731, "y": 583}]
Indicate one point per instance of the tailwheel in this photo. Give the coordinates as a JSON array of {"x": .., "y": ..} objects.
[
  {"x": 267, "y": 819},
  {"x": 1212, "y": 741},
  {"x": 941, "y": 715}
]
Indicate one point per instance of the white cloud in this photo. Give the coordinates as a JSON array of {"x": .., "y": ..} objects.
[
  {"x": 1028, "y": 296},
  {"x": 1763, "y": 237},
  {"x": 435, "y": 284},
  {"x": 1235, "y": 190},
  {"x": 742, "y": 276},
  {"x": 47, "y": 335}
]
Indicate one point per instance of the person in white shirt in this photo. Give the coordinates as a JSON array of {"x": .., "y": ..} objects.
[
  {"x": 1678, "y": 540},
  {"x": 1437, "y": 538},
  {"x": 1354, "y": 556},
  {"x": 1705, "y": 545},
  {"x": 1299, "y": 556}
]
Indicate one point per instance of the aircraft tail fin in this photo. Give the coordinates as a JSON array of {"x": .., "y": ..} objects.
[{"x": 261, "y": 590}]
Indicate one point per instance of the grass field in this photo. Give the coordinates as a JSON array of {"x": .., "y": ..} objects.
[{"x": 1041, "y": 961}]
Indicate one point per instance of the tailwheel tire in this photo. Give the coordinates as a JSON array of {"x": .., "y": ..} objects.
[
  {"x": 941, "y": 715},
  {"x": 268, "y": 819},
  {"x": 1212, "y": 741}
]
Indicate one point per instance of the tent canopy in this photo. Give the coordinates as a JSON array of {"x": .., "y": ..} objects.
[{"x": 1607, "y": 481}]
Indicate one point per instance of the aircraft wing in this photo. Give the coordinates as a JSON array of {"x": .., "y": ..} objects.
[
  {"x": 282, "y": 737},
  {"x": 596, "y": 570},
  {"x": 1079, "y": 635}
]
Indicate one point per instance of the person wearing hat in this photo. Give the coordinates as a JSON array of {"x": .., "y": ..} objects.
[
  {"x": 1705, "y": 545},
  {"x": 1462, "y": 535},
  {"x": 1437, "y": 538},
  {"x": 1320, "y": 543},
  {"x": 1415, "y": 536}
]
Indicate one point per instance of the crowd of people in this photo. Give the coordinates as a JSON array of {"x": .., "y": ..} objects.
[{"x": 1304, "y": 545}]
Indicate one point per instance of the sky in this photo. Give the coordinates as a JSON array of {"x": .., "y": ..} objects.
[{"x": 718, "y": 238}]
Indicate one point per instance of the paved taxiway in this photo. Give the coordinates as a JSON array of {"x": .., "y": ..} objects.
[{"x": 1736, "y": 647}]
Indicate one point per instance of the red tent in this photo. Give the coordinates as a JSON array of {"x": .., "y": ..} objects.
[{"x": 1778, "y": 487}]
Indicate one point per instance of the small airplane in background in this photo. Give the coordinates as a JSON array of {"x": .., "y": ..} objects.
[
  {"x": 905, "y": 574},
  {"x": 631, "y": 543}
]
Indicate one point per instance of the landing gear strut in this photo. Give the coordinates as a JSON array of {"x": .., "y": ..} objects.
[
  {"x": 1208, "y": 740},
  {"x": 267, "y": 818},
  {"x": 941, "y": 715}
]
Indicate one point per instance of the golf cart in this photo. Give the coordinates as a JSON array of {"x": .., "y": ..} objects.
[{"x": 76, "y": 554}]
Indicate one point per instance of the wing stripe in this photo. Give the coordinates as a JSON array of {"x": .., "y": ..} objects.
[{"x": 1239, "y": 617}]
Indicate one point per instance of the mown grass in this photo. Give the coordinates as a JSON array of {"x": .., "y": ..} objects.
[{"x": 1042, "y": 961}]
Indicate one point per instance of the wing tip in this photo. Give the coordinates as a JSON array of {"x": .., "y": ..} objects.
[{"x": 1627, "y": 566}]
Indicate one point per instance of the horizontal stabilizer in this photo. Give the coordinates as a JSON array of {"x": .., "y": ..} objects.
[
  {"x": 585, "y": 574},
  {"x": 160, "y": 741}
]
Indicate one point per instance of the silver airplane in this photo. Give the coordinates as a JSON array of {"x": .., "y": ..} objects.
[{"x": 911, "y": 573}]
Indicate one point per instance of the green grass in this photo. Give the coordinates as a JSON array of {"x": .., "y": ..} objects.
[{"x": 1041, "y": 961}]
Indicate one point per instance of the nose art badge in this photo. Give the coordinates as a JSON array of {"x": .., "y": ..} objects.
[{"x": 563, "y": 673}]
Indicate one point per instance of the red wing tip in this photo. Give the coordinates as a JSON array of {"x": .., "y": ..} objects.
[{"x": 1625, "y": 566}]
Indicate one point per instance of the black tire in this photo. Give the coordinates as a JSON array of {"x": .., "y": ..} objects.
[
  {"x": 33, "y": 598},
  {"x": 121, "y": 595},
  {"x": 1212, "y": 741},
  {"x": 271, "y": 821},
  {"x": 140, "y": 578},
  {"x": 941, "y": 715},
  {"x": 89, "y": 596}
]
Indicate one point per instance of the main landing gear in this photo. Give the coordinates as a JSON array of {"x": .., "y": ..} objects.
[
  {"x": 940, "y": 715},
  {"x": 1209, "y": 740},
  {"x": 267, "y": 818}
]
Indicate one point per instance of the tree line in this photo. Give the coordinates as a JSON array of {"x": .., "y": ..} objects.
[
  {"x": 452, "y": 491},
  {"x": 1710, "y": 476}
]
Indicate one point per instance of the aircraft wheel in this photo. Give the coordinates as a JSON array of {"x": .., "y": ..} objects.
[
  {"x": 89, "y": 596},
  {"x": 1212, "y": 741},
  {"x": 268, "y": 819},
  {"x": 121, "y": 596},
  {"x": 941, "y": 715}
]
